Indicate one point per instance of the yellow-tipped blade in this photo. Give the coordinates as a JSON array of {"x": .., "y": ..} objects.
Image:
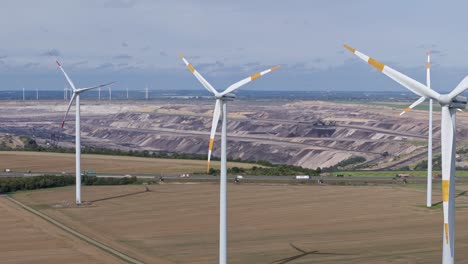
[
  {"x": 214, "y": 125},
  {"x": 411, "y": 84},
  {"x": 252, "y": 77},
  {"x": 197, "y": 75}
]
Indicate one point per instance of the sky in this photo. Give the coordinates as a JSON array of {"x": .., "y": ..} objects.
[{"x": 137, "y": 42}]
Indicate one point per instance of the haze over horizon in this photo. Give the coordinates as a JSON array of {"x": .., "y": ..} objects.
[{"x": 136, "y": 42}]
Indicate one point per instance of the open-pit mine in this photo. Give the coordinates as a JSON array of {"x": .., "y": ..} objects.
[{"x": 305, "y": 133}]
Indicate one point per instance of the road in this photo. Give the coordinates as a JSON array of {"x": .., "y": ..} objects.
[{"x": 254, "y": 178}]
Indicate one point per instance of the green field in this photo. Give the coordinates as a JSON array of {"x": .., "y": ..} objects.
[
  {"x": 422, "y": 173},
  {"x": 424, "y": 106}
]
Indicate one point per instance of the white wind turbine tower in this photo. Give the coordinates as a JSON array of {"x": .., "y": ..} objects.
[
  {"x": 429, "y": 140},
  {"x": 146, "y": 93},
  {"x": 110, "y": 93},
  {"x": 37, "y": 94},
  {"x": 24, "y": 98},
  {"x": 76, "y": 95},
  {"x": 221, "y": 99},
  {"x": 127, "y": 93},
  {"x": 450, "y": 103}
]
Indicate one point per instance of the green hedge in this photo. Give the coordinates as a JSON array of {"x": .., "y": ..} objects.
[{"x": 12, "y": 184}]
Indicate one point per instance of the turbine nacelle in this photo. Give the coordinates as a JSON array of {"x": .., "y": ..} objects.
[
  {"x": 226, "y": 97},
  {"x": 458, "y": 102}
]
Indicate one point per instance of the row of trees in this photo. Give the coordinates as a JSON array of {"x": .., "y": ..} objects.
[
  {"x": 273, "y": 170},
  {"x": 12, "y": 184}
]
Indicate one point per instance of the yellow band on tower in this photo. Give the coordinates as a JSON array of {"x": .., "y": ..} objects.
[
  {"x": 446, "y": 227},
  {"x": 208, "y": 167},
  {"x": 428, "y": 65},
  {"x": 445, "y": 190}
]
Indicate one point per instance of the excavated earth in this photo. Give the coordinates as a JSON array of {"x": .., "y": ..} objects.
[{"x": 306, "y": 133}]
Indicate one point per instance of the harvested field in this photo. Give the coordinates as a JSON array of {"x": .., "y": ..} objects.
[
  {"x": 59, "y": 162},
  {"x": 26, "y": 238},
  {"x": 178, "y": 223}
]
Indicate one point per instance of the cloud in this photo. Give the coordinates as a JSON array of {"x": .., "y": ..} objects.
[
  {"x": 122, "y": 57},
  {"x": 31, "y": 65},
  {"x": 79, "y": 63},
  {"x": 124, "y": 44},
  {"x": 105, "y": 66},
  {"x": 163, "y": 54},
  {"x": 3, "y": 57},
  {"x": 52, "y": 52}
]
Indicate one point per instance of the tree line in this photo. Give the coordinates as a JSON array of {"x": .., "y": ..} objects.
[{"x": 13, "y": 184}]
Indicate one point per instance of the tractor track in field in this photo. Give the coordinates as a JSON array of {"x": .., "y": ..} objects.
[{"x": 75, "y": 233}]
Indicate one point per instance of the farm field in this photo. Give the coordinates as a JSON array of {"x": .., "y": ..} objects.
[
  {"x": 178, "y": 223},
  {"x": 28, "y": 239},
  {"x": 65, "y": 162}
]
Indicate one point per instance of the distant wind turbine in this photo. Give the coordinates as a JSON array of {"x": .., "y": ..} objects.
[
  {"x": 429, "y": 140},
  {"x": 221, "y": 99},
  {"x": 76, "y": 95}
]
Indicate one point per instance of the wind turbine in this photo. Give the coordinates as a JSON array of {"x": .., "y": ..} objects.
[
  {"x": 24, "y": 98},
  {"x": 429, "y": 140},
  {"x": 127, "y": 93},
  {"x": 76, "y": 95},
  {"x": 110, "y": 93},
  {"x": 221, "y": 99},
  {"x": 37, "y": 94},
  {"x": 450, "y": 103}
]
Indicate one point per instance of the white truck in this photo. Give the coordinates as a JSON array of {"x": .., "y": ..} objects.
[{"x": 302, "y": 177}]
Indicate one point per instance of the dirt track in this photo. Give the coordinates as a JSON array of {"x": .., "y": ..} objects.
[
  {"x": 26, "y": 238},
  {"x": 178, "y": 223}
]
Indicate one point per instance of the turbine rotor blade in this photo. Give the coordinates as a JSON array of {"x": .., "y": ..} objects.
[
  {"x": 68, "y": 109},
  {"x": 200, "y": 78},
  {"x": 411, "y": 84},
  {"x": 93, "y": 87},
  {"x": 66, "y": 75},
  {"x": 240, "y": 83},
  {"x": 461, "y": 87},
  {"x": 413, "y": 105},
  {"x": 214, "y": 125}
]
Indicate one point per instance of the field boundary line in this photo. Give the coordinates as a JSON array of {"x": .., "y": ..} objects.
[{"x": 76, "y": 234}]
